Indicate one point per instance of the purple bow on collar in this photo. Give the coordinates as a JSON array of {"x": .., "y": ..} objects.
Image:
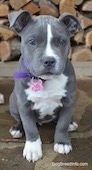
[
  {"x": 22, "y": 75},
  {"x": 26, "y": 74},
  {"x": 35, "y": 83}
]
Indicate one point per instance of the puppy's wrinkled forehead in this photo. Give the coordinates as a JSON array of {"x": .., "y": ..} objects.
[{"x": 44, "y": 25}]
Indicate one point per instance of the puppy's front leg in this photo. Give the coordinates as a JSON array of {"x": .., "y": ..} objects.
[
  {"x": 33, "y": 149},
  {"x": 62, "y": 143}
]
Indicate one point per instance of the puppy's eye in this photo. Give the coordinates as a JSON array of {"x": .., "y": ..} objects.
[
  {"x": 62, "y": 41},
  {"x": 32, "y": 41}
]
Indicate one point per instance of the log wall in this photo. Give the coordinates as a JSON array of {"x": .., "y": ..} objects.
[{"x": 81, "y": 42}]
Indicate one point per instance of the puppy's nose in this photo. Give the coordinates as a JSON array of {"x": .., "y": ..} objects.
[{"x": 49, "y": 62}]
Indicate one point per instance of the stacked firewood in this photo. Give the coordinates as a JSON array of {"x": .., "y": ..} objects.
[{"x": 81, "y": 42}]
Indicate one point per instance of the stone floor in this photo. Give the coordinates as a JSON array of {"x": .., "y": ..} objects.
[{"x": 81, "y": 156}]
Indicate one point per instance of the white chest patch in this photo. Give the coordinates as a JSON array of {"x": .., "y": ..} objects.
[{"x": 48, "y": 99}]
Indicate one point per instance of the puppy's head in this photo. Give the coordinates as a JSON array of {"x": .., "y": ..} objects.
[{"x": 45, "y": 41}]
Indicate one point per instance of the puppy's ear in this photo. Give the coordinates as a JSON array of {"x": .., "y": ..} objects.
[
  {"x": 71, "y": 22},
  {"x": 19, "y": 20}
]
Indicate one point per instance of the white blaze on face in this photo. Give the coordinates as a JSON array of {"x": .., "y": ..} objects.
[{"x": 49, "y": 51}]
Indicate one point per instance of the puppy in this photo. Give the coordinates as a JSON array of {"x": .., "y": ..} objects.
[{"x": 45, "y": 83}]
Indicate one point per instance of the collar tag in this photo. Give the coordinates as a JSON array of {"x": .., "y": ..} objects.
[{"x": 36, "y": 84}]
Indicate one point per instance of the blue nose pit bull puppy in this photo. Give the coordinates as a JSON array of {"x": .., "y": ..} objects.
[{"x": 45, "y": 84}]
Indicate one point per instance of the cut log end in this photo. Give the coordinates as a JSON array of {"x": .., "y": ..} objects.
[{"x": 5, "y": 50}]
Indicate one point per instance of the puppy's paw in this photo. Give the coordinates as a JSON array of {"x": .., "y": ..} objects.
[
  {"x": 73, "y": 126},
  {"x": 15, "y": 133},
  {"x": 33, "y": 150},
  {"x": 62, "y": 148}
]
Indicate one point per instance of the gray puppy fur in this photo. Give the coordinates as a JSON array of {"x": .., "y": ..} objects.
[{"x": 45, "y": 46}]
